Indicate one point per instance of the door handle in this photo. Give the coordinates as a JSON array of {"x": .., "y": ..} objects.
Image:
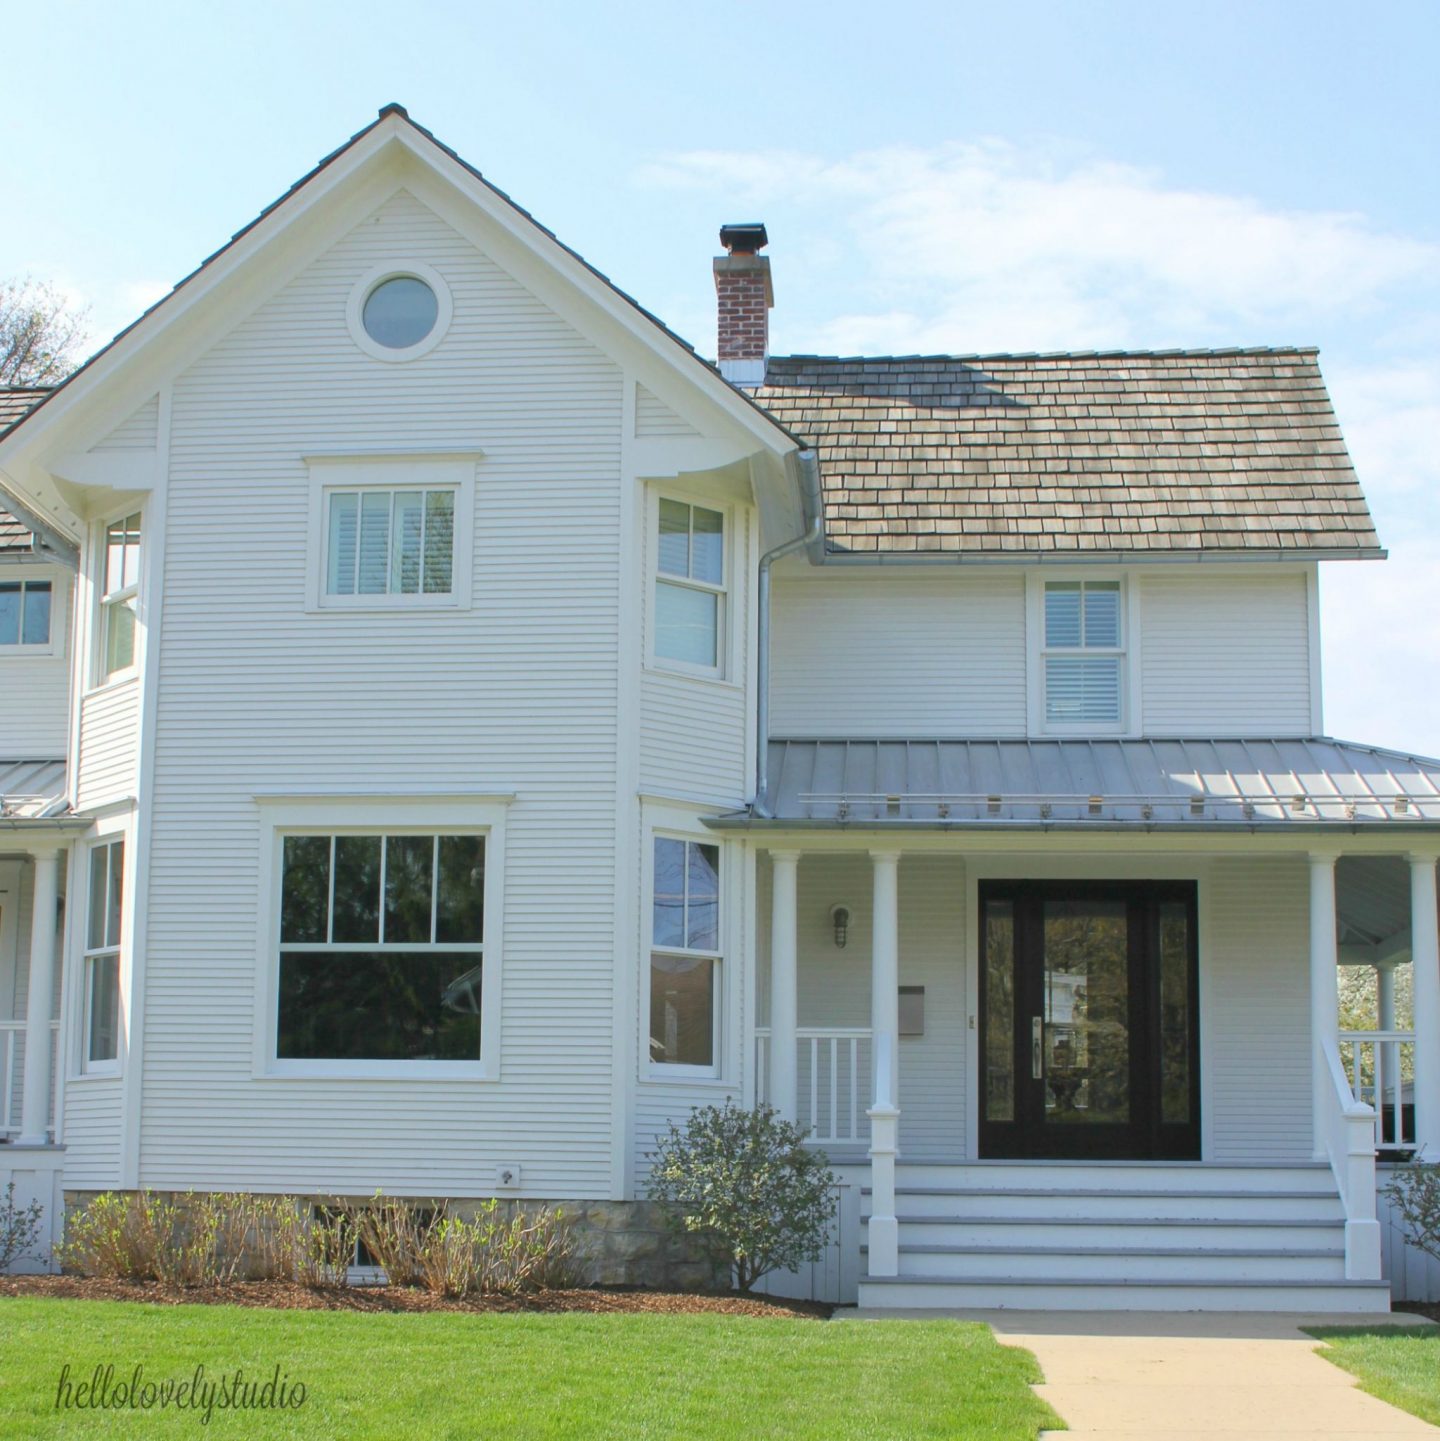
[{"x": 1037, "y": 1048}]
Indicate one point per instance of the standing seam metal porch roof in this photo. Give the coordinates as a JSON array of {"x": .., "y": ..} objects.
[{"x": 1187, "y": 783}]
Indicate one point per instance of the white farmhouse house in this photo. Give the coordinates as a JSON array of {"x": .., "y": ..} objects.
[{"x": 448, "y": 730}]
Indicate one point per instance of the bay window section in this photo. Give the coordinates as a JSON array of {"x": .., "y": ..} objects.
[
  {"x": 685, "y": 953},
  {"x": 1083, "y": 656},
  {"x": 102, "y": 957},
  {"x": 690, "y": 586},
  {"x": 119, "y": 593},
  {"x": 381, "y": 947}
]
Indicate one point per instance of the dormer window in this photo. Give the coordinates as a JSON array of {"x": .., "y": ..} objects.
[{"x": 1083, "y": 655}]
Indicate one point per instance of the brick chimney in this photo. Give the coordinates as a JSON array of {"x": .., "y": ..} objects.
[{"x": 744, "y": 297}]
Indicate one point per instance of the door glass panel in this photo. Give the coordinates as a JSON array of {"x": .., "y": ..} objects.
[
  {"x": 1000, "y": 1011},
  {"x": 1175, "y": 1018},
  {"x": 1086, "y": 1017}
]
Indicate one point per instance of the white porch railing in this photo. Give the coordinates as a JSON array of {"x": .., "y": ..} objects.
[
  {"x": 833, "y": 1086},
  {"x": 1375, "y": 1063},
  {"x": 12, "y": 1074},
  {"x": 1348, "y": 1135}
]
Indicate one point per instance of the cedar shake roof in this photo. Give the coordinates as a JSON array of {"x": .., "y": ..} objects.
[
  {"x": 1208, "y": 451},
  {"x": 16, "y": 401}
]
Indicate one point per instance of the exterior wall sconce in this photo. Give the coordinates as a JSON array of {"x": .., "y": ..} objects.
[{"x": 840, "y": 919}]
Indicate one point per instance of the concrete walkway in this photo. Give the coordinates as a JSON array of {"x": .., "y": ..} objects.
[{"x": 1182, "y": 1377}]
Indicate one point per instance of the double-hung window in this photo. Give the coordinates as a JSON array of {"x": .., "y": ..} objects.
[
  {"x": 102, "y": 957},
  {"x": 1083, "y": 654},
  {"x": 118, "y": 595},
  {"x": 690, "y": 586},
  {"x": 390, "y": 542},
  {"x": 25, "y": 614},
  {"x": 685, "y": 953},
  {"x": 382, "y": 946}
]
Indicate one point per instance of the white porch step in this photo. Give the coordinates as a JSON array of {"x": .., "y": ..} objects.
[
  {"x": 1072, "y": 1177},
  {"x": 931, "y": 1292},
  {"x": 1098, "y": 1236},
  {"x": 959, "y": 1202},
  {"x": 1147, "y": 1263},
  {"x": 1022, "y": 1233}
]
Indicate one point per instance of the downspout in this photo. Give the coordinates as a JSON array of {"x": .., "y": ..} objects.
[{"x": 814, "y": 512}]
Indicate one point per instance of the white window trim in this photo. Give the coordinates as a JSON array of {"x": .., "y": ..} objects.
[
  {"x": 674, "y": 824},
  {"x": 367, "y": 815},
  {"x": 1129, "y": 724},
  {"x": 418, "y": 471},
  {"x": 59, "y": 614},
  {"x": 394, "y": 270},
  {"x": 100, "y": 678},
  {"x": 83, "y": 1068},
  {"x": 725, "y": 671}
]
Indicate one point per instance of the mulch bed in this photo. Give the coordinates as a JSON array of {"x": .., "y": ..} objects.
[
  {"x": 1419, "y": 1308},
  {"x": 287, "y": 1296}
]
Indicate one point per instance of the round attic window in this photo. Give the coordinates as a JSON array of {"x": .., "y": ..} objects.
[{"x": 400, "y": 312}]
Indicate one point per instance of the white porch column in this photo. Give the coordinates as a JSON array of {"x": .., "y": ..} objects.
[
  {"x": 35, "y": 1104},
  {"x": 784, "y": 1004},
  {"x": 1387, "y": 1085},
  {"x": 1425, "y": 957},
  {"x": 1324, "y": 991},
  {"x": 883, "y": 1232}
]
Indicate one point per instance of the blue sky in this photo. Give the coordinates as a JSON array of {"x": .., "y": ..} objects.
[{"x": 953, "y": 177}]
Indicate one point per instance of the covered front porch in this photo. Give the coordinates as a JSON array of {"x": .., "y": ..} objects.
[{"x": 1033, "y": 987}]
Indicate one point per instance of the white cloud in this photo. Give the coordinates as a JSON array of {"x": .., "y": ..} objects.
[{"x": 992, "y": 245}]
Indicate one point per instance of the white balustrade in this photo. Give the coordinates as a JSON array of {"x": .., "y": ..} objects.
[
  {"x": 1348, "y": 1139},
  {"x": 1376, "y": 1065},
  {"x": 12, "y": 1079},
  {"x": 832, "y": 1081}
]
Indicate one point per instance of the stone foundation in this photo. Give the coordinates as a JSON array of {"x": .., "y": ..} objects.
[{"x": 617, "y": 1243}]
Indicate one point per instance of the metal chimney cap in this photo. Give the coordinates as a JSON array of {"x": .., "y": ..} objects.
[{"x": 744, "y": 239}]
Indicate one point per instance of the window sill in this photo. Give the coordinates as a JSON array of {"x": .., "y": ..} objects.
[
  {"x": 698, "y": 677},
  {"x": 400, "y": 605},
  {"x": 122, "y": 678},
  {"x": 113, "y": 1073},
  {"x": 444, "y": 1071},
  {"x": 663, "y": 1075},
  {"x": 29, "y": 652}
]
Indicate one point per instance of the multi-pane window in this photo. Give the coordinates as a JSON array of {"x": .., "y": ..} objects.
[
  {"x": 390, "y": 542},
  {"x": 381, "y": 947},
  {"x": 685, "y": 952},
  {"x": 690, "y": 585},
  {"x": 1083, "y": 654},
  {"x": 25, "y": 612},
  {"x": 102, "y": 955},
  {"x": 118, "y": 595}
]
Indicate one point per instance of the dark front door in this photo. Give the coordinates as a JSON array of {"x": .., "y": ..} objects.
[{"x": 1089, "y": 1041}]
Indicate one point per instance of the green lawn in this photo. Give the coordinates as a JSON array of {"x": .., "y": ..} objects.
[
  {"x": 435, "y": 1375},
  {"x": 1399, "y": 1365}
]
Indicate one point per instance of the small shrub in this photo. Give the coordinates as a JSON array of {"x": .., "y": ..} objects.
[
  {"x": 742, "y": 1184},
  {"x": 1414, "y": 1191},
  {"x": 19, "y": 1228},
  {"x": 450, "y": 1255}
]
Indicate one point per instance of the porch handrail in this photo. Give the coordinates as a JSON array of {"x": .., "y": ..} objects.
[
  {"x": 836, "y": 1098},
  {"x": 1349, "y": 1142},
  {"x": 1385, "y": 1052}
]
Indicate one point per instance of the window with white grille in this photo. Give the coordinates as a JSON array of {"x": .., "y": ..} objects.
[{"x": 1083, "y": 655}]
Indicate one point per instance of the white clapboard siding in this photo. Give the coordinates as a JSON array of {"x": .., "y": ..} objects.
[
  {"x": 1413, "y": 1275},
  {"x": 137, "y": 433},
  {"x": 654, "y": 418},
  {"x": 1225, "y": 655},
  {"x": 109, "y": 744},
  {"x": 938, "y": 654},
  {"x": 1254, "y": 969},
  {"x": 517, "y": 694},
  {"x": 92, "y": 1133}
]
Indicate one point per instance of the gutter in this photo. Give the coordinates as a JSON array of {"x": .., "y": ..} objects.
[
  {"x": 814, "y": 511},
  {"x": 49, "y": 543}
]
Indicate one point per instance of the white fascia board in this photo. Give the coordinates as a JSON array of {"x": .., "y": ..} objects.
[{"x": 584, "y": 285}]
